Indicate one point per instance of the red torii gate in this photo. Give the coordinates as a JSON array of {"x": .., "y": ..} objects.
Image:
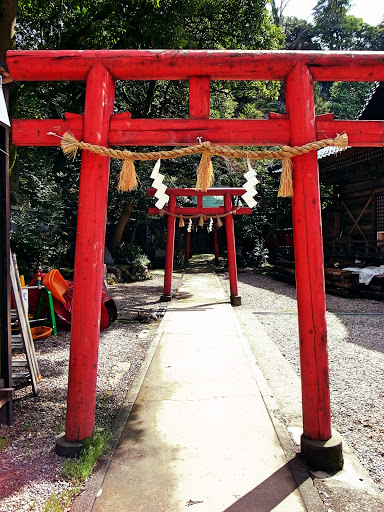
[
  {"x": 98, "y": 125},
  {"x": 227, "y": 210}
]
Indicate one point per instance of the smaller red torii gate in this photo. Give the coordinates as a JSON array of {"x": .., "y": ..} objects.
[{"x": 227, "y": 211}]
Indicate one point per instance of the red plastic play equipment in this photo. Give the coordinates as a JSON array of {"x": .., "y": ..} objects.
[{"x": 98, "y": 125}]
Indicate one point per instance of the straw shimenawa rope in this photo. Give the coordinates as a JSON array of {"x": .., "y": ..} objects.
[{"x": 128, "y": 179}]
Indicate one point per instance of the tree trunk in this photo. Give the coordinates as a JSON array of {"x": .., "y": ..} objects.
[
  {"x": 120, "y": 226},
  {"x": 7, "y": 26}
]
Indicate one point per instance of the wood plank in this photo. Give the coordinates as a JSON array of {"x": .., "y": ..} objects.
[
  {"x": 125, "y": 131},
  {"x": 24, "y": 327},
  {"x": 207, "y": 212},
  {"x": 34, "y": 132},
  {"x": 186, "y": 192},
  {"x": 199, "y": 97},
  {"x": 360, "y": 133},
  {"x": 40, "y": 65}
]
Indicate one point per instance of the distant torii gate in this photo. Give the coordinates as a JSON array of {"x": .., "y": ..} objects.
[
  {"x": 227, "y": 210},
  {"x": 98, "y": 125}
]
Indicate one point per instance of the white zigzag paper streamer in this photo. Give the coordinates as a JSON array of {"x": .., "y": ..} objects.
[
  {"x": 249, "y": 186},
  {"x": 161, "y": 196}
]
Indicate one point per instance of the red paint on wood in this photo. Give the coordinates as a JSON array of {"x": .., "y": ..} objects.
[
  {"x": 185, "y": 192},
  {"x": 41, "y": 65},
  {"x": 199, "y": 97},
  {"x": 89, "y": 258},
  {"x": 193, "y": 210},
  {"x": 180, "y": 132},
  {"x": 231, "y": 249},
  {"x": 309, "y": 264},
  {"x": 170, "y": 248},
  {"x": 184, "y": 132},
  {"x": 360, "y": 133},
  {"x": 34, "y": 132}
]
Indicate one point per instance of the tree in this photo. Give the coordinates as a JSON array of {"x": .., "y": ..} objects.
[
  {"x": 8, "y": 11},
  {"x": 347, "y": 98},
  {"x": 112, "y": 24}
]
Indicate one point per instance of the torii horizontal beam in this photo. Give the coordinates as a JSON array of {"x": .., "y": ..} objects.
[
  {"x": 183, "y": 132},
  {"x": 38, "y": 65}
]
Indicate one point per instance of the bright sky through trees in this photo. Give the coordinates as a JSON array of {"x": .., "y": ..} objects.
[{"x": 371, "y": 11}]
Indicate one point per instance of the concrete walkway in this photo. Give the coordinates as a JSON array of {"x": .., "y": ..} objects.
[{"x": 199, "y": 433}]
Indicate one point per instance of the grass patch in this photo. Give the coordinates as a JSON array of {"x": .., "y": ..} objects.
[
  {"x": 3, "y": 442},
  {"x": 79, "y": 468},
  {"x": 60, "y": 502}
]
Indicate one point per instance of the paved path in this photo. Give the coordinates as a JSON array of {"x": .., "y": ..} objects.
[{"x": 199, "y": 434}]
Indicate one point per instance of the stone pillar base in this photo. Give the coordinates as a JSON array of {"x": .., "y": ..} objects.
[
  {"x": 235, "y": 300},
  {"x": 166, "y": 298},
  {"x": 324, "y": 455},
  {"x": 66, "y": 448}
]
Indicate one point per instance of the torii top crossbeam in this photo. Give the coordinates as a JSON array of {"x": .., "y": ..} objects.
[
  {"x": 199, "y": 67},
  {"x": 98, "y": 125}
]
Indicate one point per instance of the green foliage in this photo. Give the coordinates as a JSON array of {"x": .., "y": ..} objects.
[
  {"x": 36, "y": 241},
  {"x": 78, "y": 469},
  {"x": 134, "y": 261},
  {"x": 58, "y": 503},
  {"x": 3, "y": 442},
  {"x": 347, "y": 98}
]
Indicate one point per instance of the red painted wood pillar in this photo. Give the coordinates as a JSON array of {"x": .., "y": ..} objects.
[
  {"x": 169, "y": 251},
  {"x": 309, "y": 262},
  {"x": 216, "y": 244},
  {"x": 231, "y": 250},
  {"x": 89, "y": 257},
  {"x": 188, "y": 246}
]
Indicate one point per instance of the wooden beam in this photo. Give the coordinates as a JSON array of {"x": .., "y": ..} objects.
[
  {"x": 183, "y": 132},
  {"x": 185, "y": 192},
  {"x": 199, "y": 97},
  {"x": 208, "y": 212},
  {"x": 42, "y": 65}
]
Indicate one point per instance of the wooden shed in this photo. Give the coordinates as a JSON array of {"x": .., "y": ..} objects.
[{"x": 353, "y": 218}]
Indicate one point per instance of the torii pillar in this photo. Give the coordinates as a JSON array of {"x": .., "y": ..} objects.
[
  {"x": 317, "y": 443},
  {"x": 90, "y": 240}
]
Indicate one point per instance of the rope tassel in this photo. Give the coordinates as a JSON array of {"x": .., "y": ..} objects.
[
  {"x": 127, "y": 178},
  {"x": 181, "y": 222},
  {"x": 205, "y": 175},
  {"x": 286, "y": 183},
  {"x": 69, "y": 144}
]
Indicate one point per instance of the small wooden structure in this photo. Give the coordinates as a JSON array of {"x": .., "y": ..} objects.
[
  {"x": 353, "y": 219},
  {"x": 227, "y": 211},
  {"x": 98, "y": 125}
]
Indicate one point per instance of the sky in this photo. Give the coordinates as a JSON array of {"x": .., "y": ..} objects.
[{"x": 371, "y": 11}]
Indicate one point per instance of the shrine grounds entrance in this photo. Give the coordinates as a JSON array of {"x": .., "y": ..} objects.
[{"x": 99, "y": 126}]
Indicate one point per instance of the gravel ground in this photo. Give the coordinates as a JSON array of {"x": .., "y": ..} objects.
[
  {"x": 30, "y": 471},
  {"x": 356, "y": 359}
]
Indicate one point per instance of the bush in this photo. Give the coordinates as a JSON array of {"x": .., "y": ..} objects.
[
  {"x": 36, "y": 242},
  {"x": 132, "y": 261}
]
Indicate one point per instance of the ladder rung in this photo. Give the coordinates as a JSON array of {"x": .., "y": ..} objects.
[
  {"x": 19, "y": 363},
  {"x": 21, "y": 375}
]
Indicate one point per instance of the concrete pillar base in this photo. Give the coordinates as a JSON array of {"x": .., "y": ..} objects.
[
  {"x": 166, "y": 298},
  {"x": 324, "y": 455},
  {"x": 66, "y": 448},
  {"x": 235, "y": 300}
]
